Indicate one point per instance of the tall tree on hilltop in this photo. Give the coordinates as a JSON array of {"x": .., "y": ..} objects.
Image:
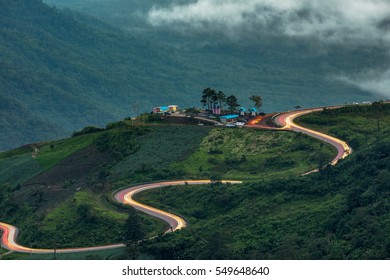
[
  {"x": 232, "y": 103},
  {"x": 257, "y": 100},
  {"x": 221, "y": 99},
  {"x": 209, "y": 96}
]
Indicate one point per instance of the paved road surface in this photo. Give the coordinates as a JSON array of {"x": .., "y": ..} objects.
[
  {"x": 10, "y": 232},
  {"x": 284, "y": 120}
]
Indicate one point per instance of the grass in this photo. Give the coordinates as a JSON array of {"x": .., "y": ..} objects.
[
  {"x": 247, "y": 221},
  {"x": 16, "y": 152},
  {"x": 18, "y": 168},
  {"x": 339, "y": 213},
  {"x": 358, "y": 125},
  {"x": 103, "y": 255},
  {"x": 83, "y": 220},
  {"x": 65, "y": 211},
  {"x": 159, "y": 148},
  {"x": 248, "y": 154},
  {"x": 53, "y": 152},
  {"x": 18, "y": 165},
  {"x": 268, "y": 210}
]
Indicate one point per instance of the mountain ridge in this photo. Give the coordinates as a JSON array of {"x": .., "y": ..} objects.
[{"x": 69, "y": 70}]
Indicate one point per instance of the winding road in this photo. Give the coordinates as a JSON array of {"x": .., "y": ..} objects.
[
  {"x": 285, "y": 120},
  {"x": 125, "y": 196}
]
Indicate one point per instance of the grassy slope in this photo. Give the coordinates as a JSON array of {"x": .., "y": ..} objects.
[
  {"x": 52, "y": 153},
  {"x": 341, "y": 213},
  {"x": 358, "y": 125},
  {"x": 246, "y": 154},
  {"x": 260, "y": 219},
  {"x": 160, "y": 148},
  {"x": 91, "y": 226},
  {"x": 18, "y": 165},
  {"x": 86, "y": 220}
]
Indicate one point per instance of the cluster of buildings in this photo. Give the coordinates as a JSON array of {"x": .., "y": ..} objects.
[
  {"x": 165, "y": 109},
  {"x": 243, "y": 113}
]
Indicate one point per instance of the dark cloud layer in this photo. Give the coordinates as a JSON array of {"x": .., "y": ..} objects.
[{"x": 358, "y": 22}]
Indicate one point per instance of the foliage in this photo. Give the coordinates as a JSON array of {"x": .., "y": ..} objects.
[
  {"x": 121, "y": 142},
  {"x": 155, "y": 154},
  {"x": 211, "y": 97},
  {"x": 134, "y": 232},
  {"x": 61, "y": 70},
  {"x": 232, "y": 103},
  {"x": 248, "y": 154},
  {"x": 87, "y": 130},
  {"x": 50, "y": 154},
  {"x": 257, "y": 100},
  {"x": 340, "y": 213}
]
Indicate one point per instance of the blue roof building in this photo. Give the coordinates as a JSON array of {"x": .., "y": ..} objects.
[
  {"x": 164, "y": 108},
  {"x": 229, "y": 117}
]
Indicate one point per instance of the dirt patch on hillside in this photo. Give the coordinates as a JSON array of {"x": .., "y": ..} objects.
[{"x": 84, "y": 168}]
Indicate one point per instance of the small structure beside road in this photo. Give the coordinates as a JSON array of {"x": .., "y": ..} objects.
[
  {"x": 165, "y": 109},
  {"x": 229, "y": 118}
]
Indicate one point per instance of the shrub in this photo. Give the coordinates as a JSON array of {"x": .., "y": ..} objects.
[{"x": 87, "y": 130}]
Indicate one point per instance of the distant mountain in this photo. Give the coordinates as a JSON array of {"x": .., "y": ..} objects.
[
  {"x": 66, "y": 73},
  {"x": 60, "y": 70}
]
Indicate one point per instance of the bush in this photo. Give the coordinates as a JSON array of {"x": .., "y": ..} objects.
[{"x": 87, "y": 130}]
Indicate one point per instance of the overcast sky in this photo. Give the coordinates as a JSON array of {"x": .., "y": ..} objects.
[
  {"x": 328, "y": 20},
  {"x": 358, "y": 22}
]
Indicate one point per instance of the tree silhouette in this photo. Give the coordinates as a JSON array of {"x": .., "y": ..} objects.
[
  {"x": 221, "y": 97},
  {"x": 232, "y": 103},
  {"x": 257, "y": 100},
  {"x": 209, "y": 96}
]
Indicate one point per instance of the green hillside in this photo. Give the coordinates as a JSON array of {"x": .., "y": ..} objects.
[
  {"x": 67, "y": 184},
  {"x": 61, "y": 70},
  {"x": 340, "y": 213},
  {"x": 59, "y": 74}
]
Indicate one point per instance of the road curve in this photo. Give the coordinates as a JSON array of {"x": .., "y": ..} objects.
[
  {"x": 286, "y": 121},
  {"x": 125, "y": 196},
  {"x": 10, "y": 232}
]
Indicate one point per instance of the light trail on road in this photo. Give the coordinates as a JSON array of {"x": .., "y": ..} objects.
[
  {"x": 125, "y": 196},
  {"x": 286, "y": 121}
]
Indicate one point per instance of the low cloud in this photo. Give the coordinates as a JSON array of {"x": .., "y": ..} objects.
[
  {"x": 332, "y": 20},
  {"x": 349, "y": 22},
  {"x": 373, "y": 81}
]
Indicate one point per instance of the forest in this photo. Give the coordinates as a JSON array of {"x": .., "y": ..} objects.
[{"x": 62, "y": 69}]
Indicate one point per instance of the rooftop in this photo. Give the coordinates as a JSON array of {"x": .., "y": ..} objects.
[{"x": 229, "y": 117}]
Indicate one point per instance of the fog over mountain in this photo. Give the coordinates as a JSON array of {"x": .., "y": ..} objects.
[
  {"x": 362, "y": 21},
  {"x": 356, "y": 23},
  {"x": 89, "y": 62}
]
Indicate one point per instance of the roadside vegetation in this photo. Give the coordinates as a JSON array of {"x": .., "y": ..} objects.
[
  {"x": 247, "y": 154},
  {"x": 358, "y": 125},
  {"x": 343, "y": 212},
  {"x": 340, "y": 213},
  {"x": 61, "y": 197}
]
